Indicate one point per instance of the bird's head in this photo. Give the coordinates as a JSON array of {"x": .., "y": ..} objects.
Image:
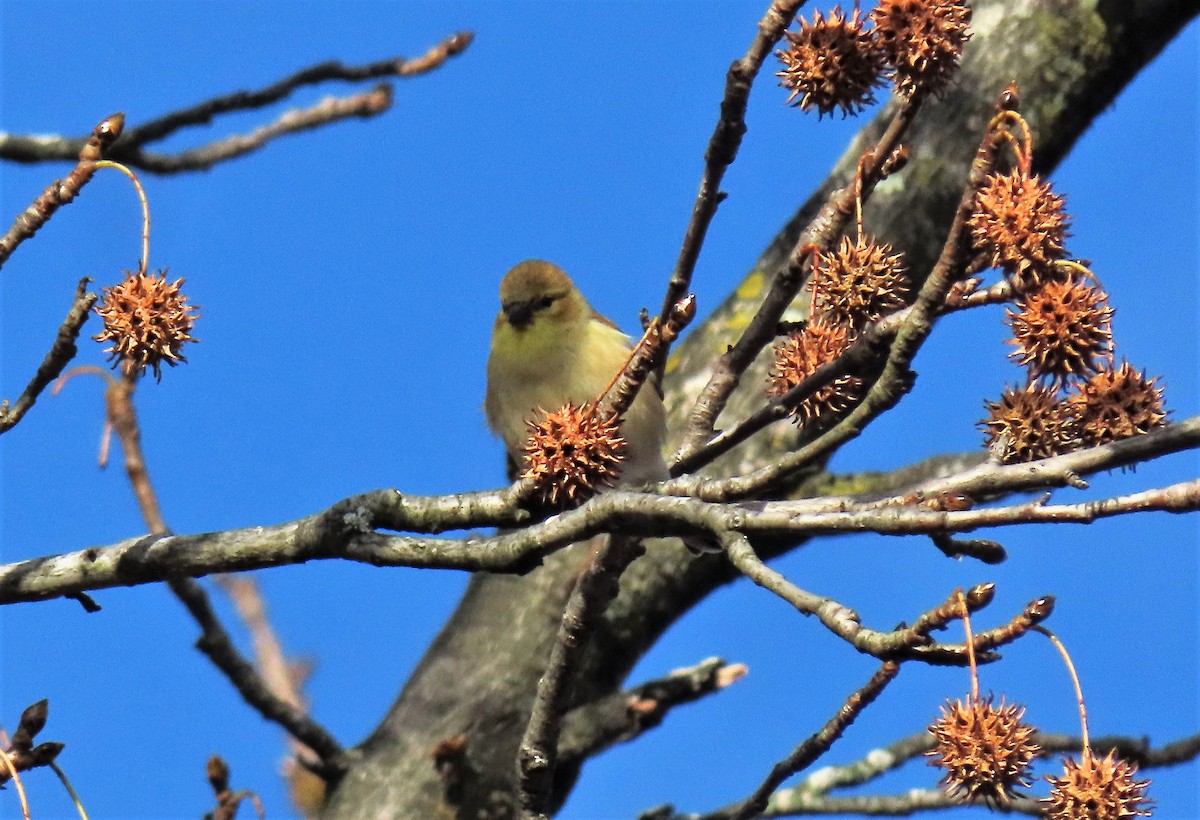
[{"x": 536, "y": 290}]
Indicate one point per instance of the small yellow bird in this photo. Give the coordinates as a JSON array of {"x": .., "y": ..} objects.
[{"x": 550, "y": 347}]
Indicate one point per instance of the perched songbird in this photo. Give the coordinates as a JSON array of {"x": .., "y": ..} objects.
[{"x": 550, "y": 347}]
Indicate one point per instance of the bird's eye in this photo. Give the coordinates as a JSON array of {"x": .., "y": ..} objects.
[{"x": 545, "y": 302}]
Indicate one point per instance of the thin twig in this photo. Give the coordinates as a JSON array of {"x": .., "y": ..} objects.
[
  {"x": 625, "y": 715},
  {"x": 63, "y": 191},
  {"x": 215, "y": 643},
  {"x": 723, "y": 145},
  {"x": 280, "y": 677},
  {"x": 896, "y": 379},
  {"x": 817, "y": 744},
  {"x": 11, "y": 769},
  {"x": 328, "y": 110},
  {"x": 214, "y": 640},
  {"x": 130, "y": 148},
  {"x": 62, "y": 776},
  {"x": 537, "y": 756},
  {"x": 61, "y": 352},
  {"x": 821, "y": 233}
]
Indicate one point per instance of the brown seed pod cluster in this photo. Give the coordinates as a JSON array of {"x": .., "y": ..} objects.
[
  {"x": 922, "y": 40},
  {"x": 836, "y": 62},
  {"x": 831, "y": 63},
  {"x": 985, "y": 749},
  {"x": 1062, "y": 330},
  {"x": 798, "y": 355},
  {"x": 1021, "y": 225},
  {"x": 148, "y": 320},
  {"x": 572, "y": 452},
  {"x": 1116, "y": 403},
  {"x": 1061, "y": 325},
  {"x": 1029, "y": 423},
  {"x": 1100, "y": 788},
  {"x": 859, "y": 283}
]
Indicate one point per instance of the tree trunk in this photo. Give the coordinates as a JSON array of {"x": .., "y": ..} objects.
[{"x": 477, "y": 680}]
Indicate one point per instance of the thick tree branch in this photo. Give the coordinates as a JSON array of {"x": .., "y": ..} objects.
[{"x": 348, "y": 529}]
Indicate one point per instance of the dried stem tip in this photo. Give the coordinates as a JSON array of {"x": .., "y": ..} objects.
[{"x": 148, "y": 320}]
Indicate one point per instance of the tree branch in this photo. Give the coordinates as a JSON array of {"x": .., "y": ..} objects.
[
  {"x": 129, "y": 149},
  {"x": 625, "y": 715},
  {"x": 62, "y": 191},
  {"x": 61, "y": 352},
  {"x": 723, "y": 145},
  {"x": 347, "y": 530}
]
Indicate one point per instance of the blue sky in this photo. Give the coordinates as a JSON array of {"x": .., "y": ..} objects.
[{"x": 348, "y": 284}]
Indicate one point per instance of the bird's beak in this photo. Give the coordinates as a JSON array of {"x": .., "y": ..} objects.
[{"x": 519, "y": 314}]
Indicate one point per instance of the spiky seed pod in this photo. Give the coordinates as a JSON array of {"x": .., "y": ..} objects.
[
  {"x": 798, "y": 356},
  {"x": 1117, "y": 404},
  {"x": 1029, "y": 423},
  {"x": 1096, "y": 789},
  {"x": 148, "y": 320},
  {"x": 831, "y": 63},
  {"x": 573, "y": 452},
  {"x": 1061, "y": 330},
  {"x": 985, "y": 749},
  {"x": 922, "y": 40},
  {"x": 859, "y": 282},
  {"x": 1022, "y": 225}
]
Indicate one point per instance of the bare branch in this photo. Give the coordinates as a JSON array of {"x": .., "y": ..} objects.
[
  {"x": 896, "y": 379},
  {"x": 723, "y": 145},
  {"x": 215, "y": 643},
  {"x": 624, "y": 716},
  {"x": 347, "y": 529},
  {"x": 129, "y": 149},
  {"x": 61, "y": 352},
  {"x": 824, "y": 229},
  {"x": 537, "y": 757},
  {"x": 816, "y": 745},
  {"x": 63, "y": 191},
  {"x": 329, "y": 110}
]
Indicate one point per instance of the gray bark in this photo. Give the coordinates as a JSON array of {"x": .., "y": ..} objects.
[{"x": 478, "y": 678}]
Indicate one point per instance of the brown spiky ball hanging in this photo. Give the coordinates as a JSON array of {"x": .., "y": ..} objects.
[
  {"x": 922, "y": 40},
  {"x": 1116, "y": 404},
  {"x": 1021, "y": 224},
  {"x": 1096, "y": 789},
  {"x": 148, "y": 320},
  {"x": 1062, "y": 330},
  {"x": 798, "y": 355},
  {"x": 859, "y": 282},
  {"x": 1029, "y": 423},
  {"x": 985, "y": 749},
  {"x": 573, "y": 452},
  {"x": 831, "y": 64}
]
